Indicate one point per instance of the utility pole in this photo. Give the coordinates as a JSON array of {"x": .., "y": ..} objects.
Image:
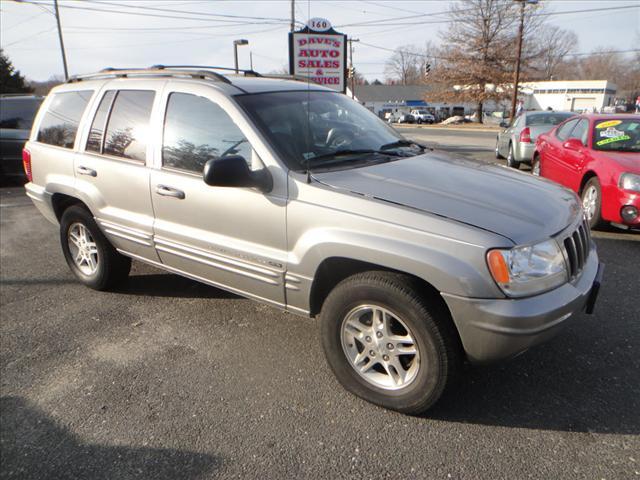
[
  {"x": 516, "y": 76},
  {"x": 293, "y": 15},
  {"x": 64, "y": 54},
  {"x": 353, "y": 75}
]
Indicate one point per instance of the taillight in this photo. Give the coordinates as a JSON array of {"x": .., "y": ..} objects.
[
  {"x": 525, "y": 135},
  {"x": 26, "y": 163}
]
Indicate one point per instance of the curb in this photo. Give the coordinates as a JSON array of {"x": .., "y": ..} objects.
[{"x": 433, "y": 127}]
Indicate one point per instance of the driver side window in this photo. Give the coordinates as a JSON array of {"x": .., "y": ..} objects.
[
  {"x": 580, "y": 132},
  {"x": 197, "y": 130}
]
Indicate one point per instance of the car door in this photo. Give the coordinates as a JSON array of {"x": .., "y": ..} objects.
[
  {"x": 570, "y": 162},
  {"x": 551, "y": 167},
  {"x": 231, "y": 237},
  {"x": 111, "y": 169}
]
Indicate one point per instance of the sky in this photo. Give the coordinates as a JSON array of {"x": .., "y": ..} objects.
[{"x": 140, "y": 36}]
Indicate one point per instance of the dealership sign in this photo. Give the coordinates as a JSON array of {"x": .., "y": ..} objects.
[{"x": 319, "y": 53}]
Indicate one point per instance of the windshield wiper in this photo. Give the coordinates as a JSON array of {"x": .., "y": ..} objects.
[
  {"x": 402, "y": 143},
  {"x": 309, "y": 163}
]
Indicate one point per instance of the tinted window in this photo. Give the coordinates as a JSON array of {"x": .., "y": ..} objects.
[
  {"x": 94, "y": 142},
  {"x": 580, "y": 132},
  {"x": 551, "y": 118},
  {"x": 60, "y": 124},
  {"x": 565, "y": 129},
  {"x": 197, "y": 130},
  {"x": 18, "y": 113},
  {"x": 128, "y": 126}
]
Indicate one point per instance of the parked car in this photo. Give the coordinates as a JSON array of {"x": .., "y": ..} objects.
[
  {"x": 517, "y": 141},
  {"x": 406, "y": 118},
  {"x": 598, "y": 157},
  {"x": 423, "y": 116},
  {"x": 414, "y": 260},
  {"x": 16, "y": 117}
]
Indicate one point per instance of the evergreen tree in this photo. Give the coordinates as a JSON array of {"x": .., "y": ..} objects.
[{"x": 10, "y": 79}]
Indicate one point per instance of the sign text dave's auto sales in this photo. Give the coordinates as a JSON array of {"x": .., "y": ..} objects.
[{"x": 319, "y": 55}]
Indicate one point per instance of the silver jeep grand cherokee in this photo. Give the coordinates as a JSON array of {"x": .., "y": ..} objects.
[{"x": 296, "y": 196}]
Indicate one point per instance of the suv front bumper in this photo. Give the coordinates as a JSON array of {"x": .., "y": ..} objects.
[{"x": 494, "y": 329}]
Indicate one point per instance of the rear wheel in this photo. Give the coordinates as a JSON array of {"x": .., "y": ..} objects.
[
  {"x": 592, "y": 202},
  {"x": 387, "y": 343},
  {"x": 511, "y": 159},
  {"x": 535, "y": 166},
  {"x": 90, "y": 256}
]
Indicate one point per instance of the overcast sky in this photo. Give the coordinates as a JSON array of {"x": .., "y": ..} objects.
[{"x": 134, "y": 38}]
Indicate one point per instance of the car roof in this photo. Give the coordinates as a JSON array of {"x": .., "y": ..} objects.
[
  {"x": 540, "y": 112},
  {"x": 609, "y": 116}
]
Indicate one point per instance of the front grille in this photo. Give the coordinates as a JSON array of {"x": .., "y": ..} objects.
[{"x": 577, "y": 247}]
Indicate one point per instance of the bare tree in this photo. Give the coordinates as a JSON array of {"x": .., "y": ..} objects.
[
  {"x": 479, "y": 54},
  {"x": 404, "y": 65},
  {"x": 555, "y": 44}
]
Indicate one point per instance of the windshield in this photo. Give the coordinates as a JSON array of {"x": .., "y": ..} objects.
[
  {"x": 619, "y": 135},
  {"x": 315, "y": 129},
  {"x": 18, "y": 113},
  {"x": 551, "y": 118}
]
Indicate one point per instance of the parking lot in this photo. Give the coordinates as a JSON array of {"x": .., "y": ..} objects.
[{"x": 168, "y": 379}]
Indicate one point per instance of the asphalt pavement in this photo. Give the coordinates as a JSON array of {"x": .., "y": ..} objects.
[{"x": 170, "y": 379}]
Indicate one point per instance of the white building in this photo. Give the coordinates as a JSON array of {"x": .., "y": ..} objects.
[{"x": 571, "y": 95}]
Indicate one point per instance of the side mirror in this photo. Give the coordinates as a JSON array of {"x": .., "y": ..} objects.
[
  {"x": 233, "y": 171},
  {"x": 573, "y": 144}
]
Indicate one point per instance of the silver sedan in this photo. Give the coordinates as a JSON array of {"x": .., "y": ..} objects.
[{"x": 517, "y": 141}]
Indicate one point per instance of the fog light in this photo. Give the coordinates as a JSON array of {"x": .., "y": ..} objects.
[{"x": 629, "y": 213}]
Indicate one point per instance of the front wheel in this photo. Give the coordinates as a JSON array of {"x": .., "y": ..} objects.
[
  {"x": 388, "y": 344},
  {"x": 90, "y": 256},
  {"x": 592, "y": 202}
]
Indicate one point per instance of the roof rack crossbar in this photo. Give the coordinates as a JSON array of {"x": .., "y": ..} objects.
[
  {"x": 141, "y": 72},
  {"x": 246, "y": 72}
]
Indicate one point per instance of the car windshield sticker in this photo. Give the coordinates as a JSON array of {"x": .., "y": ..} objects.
[
  {"x": 612, "y": 140},
  {"x": 609, "y": 123},
  {"x": 611, "y": 133}
]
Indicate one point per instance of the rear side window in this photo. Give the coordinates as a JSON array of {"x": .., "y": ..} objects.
[
  {"x": 197, "y": 130},
  {"x": 128, "y": 125},
  {"x": 60, "y": 123},
  {"x": 18, "y": 113},
  {"x": 94, "y": 142}
]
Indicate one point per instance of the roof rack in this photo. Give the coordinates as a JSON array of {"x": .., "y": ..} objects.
[
  {"x": 193, "y": 71},
  {"x": 156, "y": 71}
]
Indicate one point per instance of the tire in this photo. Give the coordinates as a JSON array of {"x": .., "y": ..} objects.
[
  {"x": 535, "y": 166},
  {"x": 591, "y": 197},
  {"x": 101, "y": 267},
  {"x": 419, "y": 121},
  {"x": 498, "y": 154},
  {"x": 511, "y": 161},
  {"x": 427, "y": 373}
]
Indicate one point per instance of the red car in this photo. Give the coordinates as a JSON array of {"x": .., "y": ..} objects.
[{"x": 598, "y": 157}]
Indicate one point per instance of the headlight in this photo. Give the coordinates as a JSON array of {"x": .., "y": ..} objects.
[
  {"x": 630, "y": 181},
  {"x": 527, "y": 270}
]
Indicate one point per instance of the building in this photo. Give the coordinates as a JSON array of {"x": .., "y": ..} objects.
[
  {"x": 398, "y": 99},
  {"x": 577, "y": 96},
  {"x": 573, "y": 95}
]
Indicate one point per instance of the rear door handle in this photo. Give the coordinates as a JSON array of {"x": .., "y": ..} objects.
[
  {"x": 169, "y": 192},
  {"x": 86, "y": 171}
]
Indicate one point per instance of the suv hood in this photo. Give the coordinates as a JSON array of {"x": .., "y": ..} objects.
[{"x": 515, "y": 205}]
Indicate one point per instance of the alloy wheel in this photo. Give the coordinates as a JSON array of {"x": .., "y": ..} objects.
[
  {"x": 590, "y": 201},
  {"x": 83, "y": 248},
  {"x": 380, "y": 347}
]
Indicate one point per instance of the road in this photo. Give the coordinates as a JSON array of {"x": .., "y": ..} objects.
[{"x": 170, "y": 379}]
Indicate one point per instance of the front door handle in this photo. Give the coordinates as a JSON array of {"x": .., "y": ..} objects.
[
  {"x": 86, "y": 171},
  {"x": 169, "y": 192}
]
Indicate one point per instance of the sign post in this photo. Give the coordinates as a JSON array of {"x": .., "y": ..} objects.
[{"x": 320, "y": 53}]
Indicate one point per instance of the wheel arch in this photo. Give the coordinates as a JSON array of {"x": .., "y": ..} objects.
[
  {"x": 61, "y": 201},
  {"x": 588, "y": 175}
]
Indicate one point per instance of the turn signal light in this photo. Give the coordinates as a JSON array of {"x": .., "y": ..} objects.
[
  {"x": 498, "y": 266},
  {"x": 525, "y": 135},
  {"x": 26, "y": 164}
]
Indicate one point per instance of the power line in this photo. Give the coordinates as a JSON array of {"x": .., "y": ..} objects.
[
  {"x": 26, "y": 20},
  {"x": 378, "y": 23},
  {"x": 29, "y": 37}
]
